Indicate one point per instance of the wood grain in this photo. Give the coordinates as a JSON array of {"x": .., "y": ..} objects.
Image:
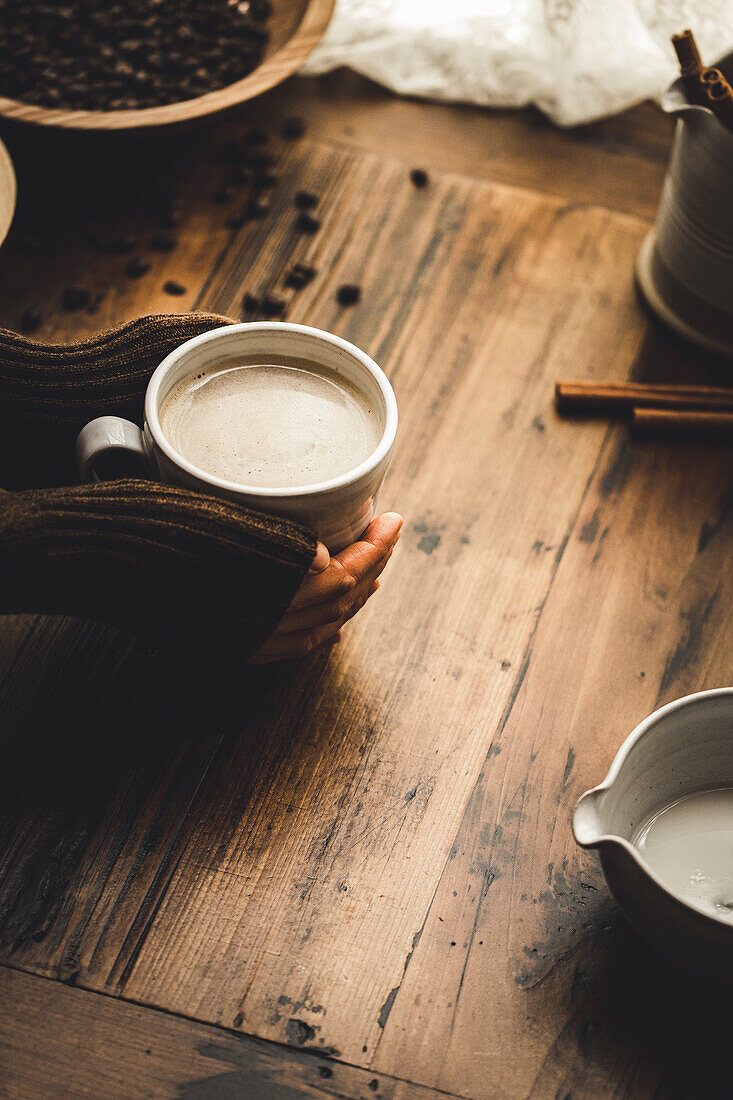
[
  {"x": 67, "y": 1043},
  {"x": 295, "y": 27},
  {"x": 369, "y": 856},
  {"x": 638, "y": 614},
  {"x": 617, "y": 162}
]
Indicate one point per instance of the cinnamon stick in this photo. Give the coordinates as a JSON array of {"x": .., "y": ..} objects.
[
  {"x": 690, "y": 424},
  {"x": 620, "y": 397},
  {"x": 690, "y": 64},
  {"x": 719, "y": 96}
]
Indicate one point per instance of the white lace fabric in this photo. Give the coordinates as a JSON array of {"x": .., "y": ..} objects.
[{"x": 576, "y": 60}]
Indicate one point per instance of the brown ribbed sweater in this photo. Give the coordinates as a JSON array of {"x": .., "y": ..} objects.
[{"x": 176, "y": 568}]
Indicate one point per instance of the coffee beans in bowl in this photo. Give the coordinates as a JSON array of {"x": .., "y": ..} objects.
[
  {"x": 120, "y": 64},
  {"x": 92, "y": 55}
]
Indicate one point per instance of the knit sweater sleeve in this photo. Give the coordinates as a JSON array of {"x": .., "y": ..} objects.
[
  {"x": 175, "y": 568},
  {"x": 48, "y": 392}
]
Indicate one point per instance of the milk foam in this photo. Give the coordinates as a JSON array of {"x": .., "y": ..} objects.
[
  {"x": 689, "y": 844},
  {"x": 270, "y": 425}
]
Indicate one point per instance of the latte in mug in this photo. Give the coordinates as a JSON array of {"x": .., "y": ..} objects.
[{"x": 270, "y": 424}]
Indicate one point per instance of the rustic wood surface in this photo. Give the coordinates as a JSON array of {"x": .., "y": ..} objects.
[
  {"x": 368, "y": 857},
  {"x": 102, "y": 1047}
]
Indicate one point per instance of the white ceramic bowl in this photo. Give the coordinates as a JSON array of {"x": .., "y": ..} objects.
[{"x": 684, "y": 747}]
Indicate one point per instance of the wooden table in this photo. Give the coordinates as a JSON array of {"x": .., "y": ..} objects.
[{"x": 355, "y": 876}]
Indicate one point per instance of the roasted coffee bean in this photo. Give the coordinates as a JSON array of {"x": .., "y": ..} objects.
[
  {"x": 272, "y": 306},
  {"x": 168, "y": 217},
  {"x": 30, "y": 321},
  {"x": 137, "y": 267},
  {"x": 174, "y": 288},
  {"x": 306, "y": 200},
  {"x": 306, "y": 223},
  {"x": 161, "y": 242},
  {"x": 293, "y": 128},
  {"x": 250, "y": 304},
  {"x": 258, "y": 207},
  {"x": 235, "y": 221},
  {"x": 75, "y": 297},
  {"x": 92, "y": 54},
  {"x": 257, "y": 136},
  {"x": 100, "y": 293},
  {"x": 348, "y": 294},
  {"x": 299, "y": 276},
  {"x": 419, "y": 177},
  {"x": 266, "y": 177},
  {"x": 261, "y": 10}
]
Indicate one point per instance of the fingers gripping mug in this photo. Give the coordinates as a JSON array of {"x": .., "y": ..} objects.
[{"x": 278, "y": 417}]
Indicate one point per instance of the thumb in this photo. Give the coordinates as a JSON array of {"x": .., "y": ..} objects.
[{"x": 322, "y": 559}]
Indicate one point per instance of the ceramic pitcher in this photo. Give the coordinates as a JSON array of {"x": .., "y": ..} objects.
[{"x": 685, "y": 266}]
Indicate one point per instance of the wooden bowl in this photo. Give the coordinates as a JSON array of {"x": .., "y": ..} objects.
[
  {"x": 7, "y": 192},
  {"x": 296, "y": 27}
]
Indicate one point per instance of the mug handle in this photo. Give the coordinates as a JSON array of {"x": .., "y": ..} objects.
[{"x": 104, "y": 435}]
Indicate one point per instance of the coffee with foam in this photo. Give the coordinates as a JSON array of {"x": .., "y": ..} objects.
[{"x": 272, "y": 425}]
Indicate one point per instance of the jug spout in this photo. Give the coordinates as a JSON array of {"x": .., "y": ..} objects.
[
  {"x": 676, "y": 101},
  {"x": 587, "y": 827}
]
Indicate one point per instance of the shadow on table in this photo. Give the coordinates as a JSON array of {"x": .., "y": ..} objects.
[
  {"x": 646, "y": 1026},
  {"x": 106, "y": 754}
]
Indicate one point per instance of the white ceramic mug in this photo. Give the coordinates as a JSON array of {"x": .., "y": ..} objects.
[{"x": 338, "y": 510}]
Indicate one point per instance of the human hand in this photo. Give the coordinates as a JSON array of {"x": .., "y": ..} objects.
[{"x": 334, "y": 589}]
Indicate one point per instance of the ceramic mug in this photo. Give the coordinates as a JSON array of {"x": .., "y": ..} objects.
[{"x": 338, "y": 510}]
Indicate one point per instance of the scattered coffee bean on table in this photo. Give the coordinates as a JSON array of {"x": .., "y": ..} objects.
[
  {"x": 168, "y": 216},
  {"x": 126, "y": 54},
  {"x": 137, "y": 267},
  {"x": 299, "y": 276},
  {"x": 306, "y": 200},
  {"x": 97, "y": 298},
  {"x": 174, "y": 288},
  {"x": 250, "y": 304},
  {"x": 258, "y": 207},
  {"x": 161, "y": 242},
  {"x": 265, "y": 177},
  {"x": 257, "y": 136},
  {"x": 261, "y": 10},
  {"x": 419, "y": 177},
  {"x": 75, "y": 297},
  {"x": 306, "y": 223},
  {"x": 235, "y": 221},
  {"x": 293, "y": 128},
  {"x": 272, "y": 306},
  {"x": 30, "y": 321},
  {"x": 348, "y": 294}
]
